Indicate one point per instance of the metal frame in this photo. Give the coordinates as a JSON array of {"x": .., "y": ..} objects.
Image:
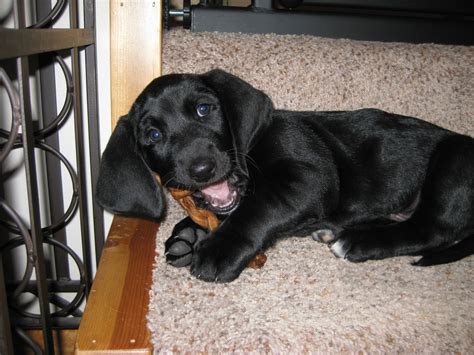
[
  {"x": 435, "y": 21},
  {"x": 34, "y": 50}
]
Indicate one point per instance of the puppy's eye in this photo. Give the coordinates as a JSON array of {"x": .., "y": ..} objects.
[
  {"x": 154, "y": 135},
  {"x": 203, "y": 109}
]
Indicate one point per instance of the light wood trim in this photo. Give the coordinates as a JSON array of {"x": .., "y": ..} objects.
[
  {"x": 135, "y": 50},
  {"x": 114, "y": 320}
]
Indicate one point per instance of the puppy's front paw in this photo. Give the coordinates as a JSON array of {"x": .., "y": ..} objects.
[
  {"x": 217, "y": 261},
  {"x": 179, "y": 247}
]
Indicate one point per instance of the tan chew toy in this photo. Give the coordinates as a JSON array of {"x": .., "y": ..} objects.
[{"x": 207, "y": 219}]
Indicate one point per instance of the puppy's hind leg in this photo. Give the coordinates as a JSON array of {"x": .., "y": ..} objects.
[
  {"x": 452, "y": 253},
  {"x": 442, "y": 225},
  {"x": 379, "y": 242},
  {"x": 323, "y": 235},
  {"x": 454, "y": 176}
]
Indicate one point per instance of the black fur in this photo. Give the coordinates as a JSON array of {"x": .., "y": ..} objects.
[{"x": 369, "y": 183}]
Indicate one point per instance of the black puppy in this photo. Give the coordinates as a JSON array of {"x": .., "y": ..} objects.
[{"x": 370, "y": 184}]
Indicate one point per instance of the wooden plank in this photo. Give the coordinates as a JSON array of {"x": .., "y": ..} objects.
[
  {"x": 135, "y": 45},
  {"x": 114, "y": 320}
]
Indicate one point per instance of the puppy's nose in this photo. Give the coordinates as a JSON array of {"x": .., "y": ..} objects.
[{"x": 202, "y": 170}]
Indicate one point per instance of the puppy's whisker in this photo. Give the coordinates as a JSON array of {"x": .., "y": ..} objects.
[
  {"x": 170, "y": 180},
  {"x": 250, "y": 161},
  {"x": 248, "y": 158}
]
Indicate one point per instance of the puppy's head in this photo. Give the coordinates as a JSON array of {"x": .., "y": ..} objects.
[{"x": 194, "y": 131}]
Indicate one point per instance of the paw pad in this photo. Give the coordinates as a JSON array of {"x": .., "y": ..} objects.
[{"x": 179, "y": 248}]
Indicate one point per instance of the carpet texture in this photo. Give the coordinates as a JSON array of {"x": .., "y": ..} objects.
[{"x": 304, "y": 299}]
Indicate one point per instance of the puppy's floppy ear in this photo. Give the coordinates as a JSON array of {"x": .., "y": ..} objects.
[
  {"x": 248, "y": 110},
  {"x": 125, "y": 184}
]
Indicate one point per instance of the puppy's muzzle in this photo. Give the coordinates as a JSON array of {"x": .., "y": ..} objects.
[{"x": 202, "y": 170}]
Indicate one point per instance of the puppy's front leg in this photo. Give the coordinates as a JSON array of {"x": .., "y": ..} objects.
[
  {"x": 240, "y": 237},
  {"x": 223, "y": 256},
  {"x": 179, "y": 247}
]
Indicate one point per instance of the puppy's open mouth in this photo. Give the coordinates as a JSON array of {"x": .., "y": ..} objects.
[{"x": 221, "y": 197}]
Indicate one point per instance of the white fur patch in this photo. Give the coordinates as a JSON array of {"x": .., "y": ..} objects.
[{"x": 338, "y": 249}]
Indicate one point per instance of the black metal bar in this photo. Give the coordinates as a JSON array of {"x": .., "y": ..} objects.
[
  {"x": 32, "y": 186},
  {"x": 16, "y": 114},
  {"x": 33, "y": 202},
  {"x": 49, "y": 17},
  {"x": 6, "y": 345},
  {"x": 23, "y": 336},
  {"x": 47, "y": 84},
  {"x": 26, "y": 239},
  {"x": 67, "y": 308},
  {"x": 56, "y": 323},
  {"x": 53, "y": 165},
  {"x": 358, "y": 26},
  {"x": 461, "y": 7},
  {"x": 53, "y": 286},
  {"x": 80, "y": 155},
  {"x": 94, "y": 126},
  {"x": 62, "y": 303},
  {"x": 22, "y": 42}
]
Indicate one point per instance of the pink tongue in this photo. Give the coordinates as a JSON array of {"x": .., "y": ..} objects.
[{"x": 218, "y": 191}]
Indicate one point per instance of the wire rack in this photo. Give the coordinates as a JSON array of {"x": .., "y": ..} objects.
[{"x": 33, "y": 130}]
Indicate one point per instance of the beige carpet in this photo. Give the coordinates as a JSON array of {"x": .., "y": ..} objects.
[{"x": 304, "y": 299}]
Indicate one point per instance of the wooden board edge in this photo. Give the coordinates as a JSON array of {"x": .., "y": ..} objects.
[
  {"x": 135, "y": 50},
  {"x": 115, "y": 318}
]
